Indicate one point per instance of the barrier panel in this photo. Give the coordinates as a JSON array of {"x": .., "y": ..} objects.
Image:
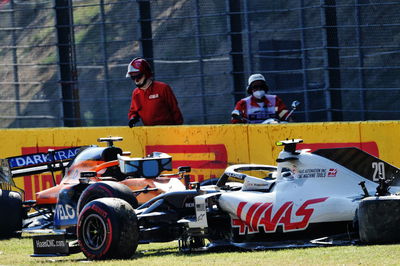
[{"x": 208, "y": 149}]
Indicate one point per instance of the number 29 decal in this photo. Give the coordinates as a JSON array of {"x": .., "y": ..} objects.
[{"x": 379, "y": 170}]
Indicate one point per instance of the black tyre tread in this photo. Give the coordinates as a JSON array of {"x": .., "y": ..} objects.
[
  {"x": 11, "y": 213},
  {"x": 124, "y": 229},
  {"x": 379, "y": 219},
  {"x": 107, "y": 189}
]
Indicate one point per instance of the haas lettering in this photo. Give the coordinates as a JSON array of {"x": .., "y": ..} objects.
[{"x": 260, "y": 215}]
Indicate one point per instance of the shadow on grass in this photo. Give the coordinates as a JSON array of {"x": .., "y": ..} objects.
[
  {"x": 147, "y": 253},
  {"x": 155, "y": 252}
]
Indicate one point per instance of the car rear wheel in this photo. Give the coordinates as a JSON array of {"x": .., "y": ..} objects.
[
  {"x": 379, "y": 219},
  {"x": 107, "y": 229},
  {"x": 107, "y": 189},
  {"x": 11, "y": 213}
]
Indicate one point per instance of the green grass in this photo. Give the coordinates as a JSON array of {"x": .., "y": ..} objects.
[
  {"x": 50, "y": 59},
  {"x": 85, "y": 15},
  {"x": 17, "y": 252}
]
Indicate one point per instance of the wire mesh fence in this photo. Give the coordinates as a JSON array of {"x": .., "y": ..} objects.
[{"x": 64, "y": 61}]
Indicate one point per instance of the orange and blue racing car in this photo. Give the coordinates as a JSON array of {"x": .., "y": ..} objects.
[{"x": 88, "y": 173}]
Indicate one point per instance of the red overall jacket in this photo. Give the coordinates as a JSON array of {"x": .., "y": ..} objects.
[
  {"x": 157, "y": 105},
  {"x": 251, "y": 110}
]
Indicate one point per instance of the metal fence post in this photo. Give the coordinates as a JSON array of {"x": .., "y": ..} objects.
[
  {"x": 200, "y": 57},
  {"x": 105, "y": 63},
  {"x": 15, "y": 65},
  {"x": 333, "y": 59},
  {"x": 326, "y": 70},
  {"x": 249, "y": 61},
  {"x": 146, "y": 33},
  {"x": 235, "y": 23},
  {"x": 360, "y": 60},
  {"x": 304, "y": 63},
  {"x": 67, "y": 61}
]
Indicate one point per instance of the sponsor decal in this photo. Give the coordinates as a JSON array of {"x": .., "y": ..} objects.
[
  {"x": 50, "y": 244},
  {"x": 259, "y": 215},
  {"x": 65, "y": 212},
  {"x": 42, "y": 158},
  {"x": 312, "y": 173},
  {"x": 315, "y": 172},
  {"x": 332, "y": 172},
  {"x": 153, "y": 96},
  {"x": 236, "y": 175},
  {"x": 100, "y": 211}
]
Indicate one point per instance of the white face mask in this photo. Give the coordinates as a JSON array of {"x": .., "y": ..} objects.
[{"x": 259, "y": 94}]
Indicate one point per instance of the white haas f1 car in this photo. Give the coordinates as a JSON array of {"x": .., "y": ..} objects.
[{"x": 305, "y": 200}]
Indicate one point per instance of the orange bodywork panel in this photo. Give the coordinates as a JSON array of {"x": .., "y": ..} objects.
[
  {"x": 50, "y": 196},
  {"x": 162, "y": 185},
  {"x": 140, "y": 183}
]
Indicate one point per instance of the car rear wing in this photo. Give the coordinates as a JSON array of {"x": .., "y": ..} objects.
[{"x": 36, "y": 163}]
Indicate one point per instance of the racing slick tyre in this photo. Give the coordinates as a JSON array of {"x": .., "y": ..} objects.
[
  {"x": 11, "y": 213},
  {"x": 107, "y": 189},
  {"x": 108, "y": 229},
  {"x": 379, "y": 219}
]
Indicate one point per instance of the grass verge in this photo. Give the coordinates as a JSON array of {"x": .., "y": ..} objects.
[{"x": 17, "y": 252}]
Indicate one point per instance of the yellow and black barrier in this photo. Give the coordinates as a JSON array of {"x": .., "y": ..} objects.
[{"x": 208, "y": 149}]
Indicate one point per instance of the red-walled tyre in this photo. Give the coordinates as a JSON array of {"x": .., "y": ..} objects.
[
  {"x": 10, "y": 213},
  {"x": 107, "y": 189},
  {"x": 107, "y": 229}
]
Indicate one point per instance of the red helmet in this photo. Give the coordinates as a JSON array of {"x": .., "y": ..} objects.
[{"x": 139, "y": 65}]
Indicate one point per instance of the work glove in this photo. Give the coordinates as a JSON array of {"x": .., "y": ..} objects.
[
  {"x": 237, "y": 115},
  {"x": 133, "y": 121}
]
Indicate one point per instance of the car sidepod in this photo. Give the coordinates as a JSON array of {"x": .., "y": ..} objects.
[
  {"x": 66, "y": 214},
  {"x": 287, "y": 212},
  {"x": 159, "y": 218}
]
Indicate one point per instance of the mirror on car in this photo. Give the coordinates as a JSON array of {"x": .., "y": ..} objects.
[{"x": 184, "y": 169}]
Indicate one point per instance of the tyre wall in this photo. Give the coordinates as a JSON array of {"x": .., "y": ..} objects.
[{"x": 208, "y": 149}]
